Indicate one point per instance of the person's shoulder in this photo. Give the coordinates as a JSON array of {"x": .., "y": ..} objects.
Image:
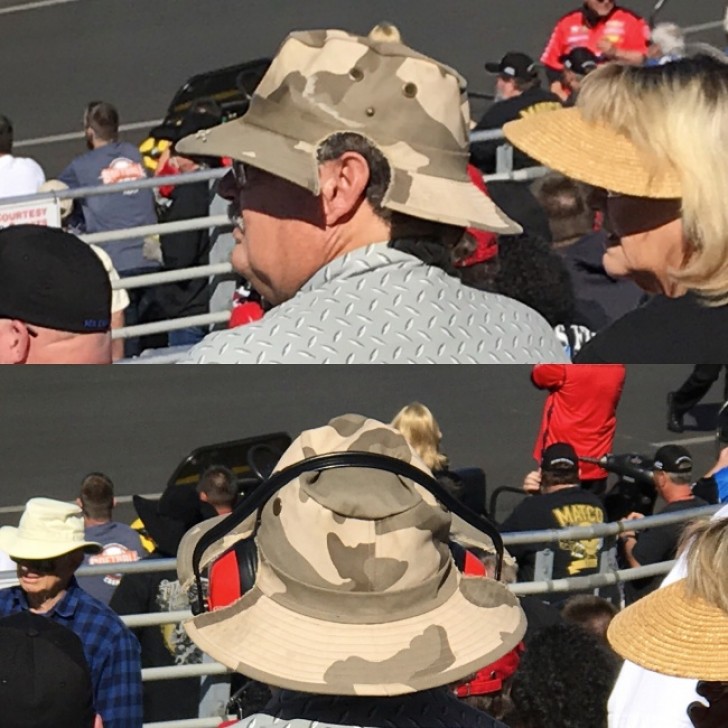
[
  {"x": 684, "y": 505},
  {"x": 100, "y": 612},
  {"x": 663, "y": 331},
  {"x": 570, "y": 17},
  {"x": 626, "y": 13}
]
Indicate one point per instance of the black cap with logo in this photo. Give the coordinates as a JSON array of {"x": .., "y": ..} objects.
[{"x": 514, "y": 65}]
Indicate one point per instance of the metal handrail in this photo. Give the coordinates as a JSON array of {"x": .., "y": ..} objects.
[
  {"x": 159, "y": 228},
  {"x": 606, "y": 529},
  {"x": 202, "y": 175}
]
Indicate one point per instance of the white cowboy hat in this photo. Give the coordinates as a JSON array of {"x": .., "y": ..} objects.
[{"x": 48, "y": 528}]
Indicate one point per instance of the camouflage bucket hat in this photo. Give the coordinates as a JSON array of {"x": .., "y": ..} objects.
[
  {"x": 356, "y": 592},
  {"x": 413, "y": 108}
]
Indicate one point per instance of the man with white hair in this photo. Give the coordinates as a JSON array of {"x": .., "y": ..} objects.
[
  {"x": 349, "y": 190},
  {"x": 48, "y": 547},
  {"x": 667, "y": 43}
]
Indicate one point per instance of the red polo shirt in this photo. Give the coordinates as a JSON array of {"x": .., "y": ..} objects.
[{"x": 623, "y": 28}]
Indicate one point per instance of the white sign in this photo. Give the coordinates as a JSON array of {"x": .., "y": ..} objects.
[{"x": 45, "y": 212}]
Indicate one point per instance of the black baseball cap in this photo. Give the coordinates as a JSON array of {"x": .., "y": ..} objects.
[
  {"x": 559, "y": 456},
  {"x": 514, "y": 65},
  {"x": 52, "y": 279},
  {"x": 579, "y": 60},
  {"x": 673, "y": 459},
  {"x": 44, "y": 677}
]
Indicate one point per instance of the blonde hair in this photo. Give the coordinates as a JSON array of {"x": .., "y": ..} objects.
[
  {"x": 707, "y": 561},
  {"x": 676, "y": 114},
  {"x": 385, "y": 32},
  {"x": 420, "y": 429}
]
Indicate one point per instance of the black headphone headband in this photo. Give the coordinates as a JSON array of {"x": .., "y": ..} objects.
[{"x": 318, "y": 463}]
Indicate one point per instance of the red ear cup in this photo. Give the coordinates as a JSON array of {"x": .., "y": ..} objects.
[{"x": 233, "y": 574}]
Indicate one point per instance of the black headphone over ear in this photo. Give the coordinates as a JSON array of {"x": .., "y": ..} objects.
[{"x": 268, "y": 488}]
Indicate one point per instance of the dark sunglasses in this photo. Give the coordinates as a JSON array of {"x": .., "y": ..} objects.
[
  {"x": 41, "y": 566},
  {"x": 626, "y": 215}
]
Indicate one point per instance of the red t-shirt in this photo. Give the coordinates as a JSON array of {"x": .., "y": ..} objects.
[
  {"x": 581, "y": 409},
  {"x": 626, "y": 30}
]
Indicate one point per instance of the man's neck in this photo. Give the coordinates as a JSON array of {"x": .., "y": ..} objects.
[
  {"x": 95, "y": 521},
  {"x": 555, "y": 488},
  {"x": 43, "y": 603},
  {"x": 675, "y": 495}
]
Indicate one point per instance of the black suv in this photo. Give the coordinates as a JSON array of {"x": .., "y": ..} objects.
[{"x": 230, "y": 87}]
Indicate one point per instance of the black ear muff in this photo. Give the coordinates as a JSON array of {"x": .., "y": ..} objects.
[
  {"x": 246, "y": 554},
  {"x": 262, "y": 494}
]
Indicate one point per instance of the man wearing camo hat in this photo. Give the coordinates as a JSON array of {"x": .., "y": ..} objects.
[
  {"x": 349, "y": 188},
  {"x": 358, "y": 611}
]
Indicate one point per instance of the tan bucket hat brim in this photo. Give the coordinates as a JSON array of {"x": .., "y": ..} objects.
[
  {"x": 262, "y": 639},
  {"x": 674, "y": 634},
  {"x": 450, "y": 201},
  {"x": 18, "y": 546},
  {"x": 593, "y": 153}
]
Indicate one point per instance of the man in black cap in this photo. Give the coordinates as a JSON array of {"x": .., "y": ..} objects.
[
  {"x": 165, "y": 521},
  {"x": 188, "y": 248},
  {"x": 560, "y": 502},
  {"x": 578, "y": 63},
  {"x": 518, "y": 93},
  {"x": 55, "y": 299},
  {"x": 673, "y": 476}
]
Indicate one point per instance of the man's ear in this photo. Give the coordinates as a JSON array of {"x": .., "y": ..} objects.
[
  {"x": 14, "y": 341},
  {"x": 343, "y": 184}
]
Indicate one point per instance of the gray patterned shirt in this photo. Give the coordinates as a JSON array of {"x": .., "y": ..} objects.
[{"x": 379, "y": 305}]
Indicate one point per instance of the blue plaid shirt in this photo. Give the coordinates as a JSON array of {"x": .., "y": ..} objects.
[{"x": 111, "y": 650}]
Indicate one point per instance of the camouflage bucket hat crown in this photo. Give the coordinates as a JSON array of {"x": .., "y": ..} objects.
[
  {"x": 356, "y": 592},
  {"x": 413, "y": 108}
]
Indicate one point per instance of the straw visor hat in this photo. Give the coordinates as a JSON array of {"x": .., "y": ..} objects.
[
  {"x": 413, "y": 108},
  {"x": 48, "y": 528},
  {"x": 593, "y": 153},
  {"x": 673, "y": 633},
  {"x": 356, "y": 592}
]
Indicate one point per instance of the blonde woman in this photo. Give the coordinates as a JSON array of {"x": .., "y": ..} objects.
[
  {"x": 652, "y": 143},
  {"x": 682, "y": 629},
  {"x": 420, "y": 428}
]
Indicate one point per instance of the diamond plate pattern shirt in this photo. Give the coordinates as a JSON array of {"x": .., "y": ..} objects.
[{"x": 379, "y": 305}]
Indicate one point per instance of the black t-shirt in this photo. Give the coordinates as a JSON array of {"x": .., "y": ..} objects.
[
  {"x": 531, "y": 101},
  {"x": 561, "y": 509},
  {"x": 663, "y": 331},
  {"x": 162, "y": 645},
  {"x": 656, "y": 545}
]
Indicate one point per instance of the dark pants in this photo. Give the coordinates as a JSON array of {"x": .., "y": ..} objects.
[
  {"x": 140, "y": 310},
  {"x": 696, "y": 386}
]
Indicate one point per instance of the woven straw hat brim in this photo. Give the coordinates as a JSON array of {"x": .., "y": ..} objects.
[
  {"x": 18, "y": 546},
  {"x": 262, "y": 639},
  {"x": 449, "y": 201},
  {"x": 593, "y": 153},
  {"x": 669, "y": 633}
]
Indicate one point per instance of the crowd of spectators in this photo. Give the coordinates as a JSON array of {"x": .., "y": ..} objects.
[
  {"x": 609, "y": 251},
  {"x": 298, "y": 561}
]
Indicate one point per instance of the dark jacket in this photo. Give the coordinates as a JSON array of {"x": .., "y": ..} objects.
[
  {"x": 600, "y": 299},
  {"x": 533, "y": 100},
  {"x": 437, "y": 708},
  {"x": 185, "y": 250},
  {"x": 664, "y": 331}
]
